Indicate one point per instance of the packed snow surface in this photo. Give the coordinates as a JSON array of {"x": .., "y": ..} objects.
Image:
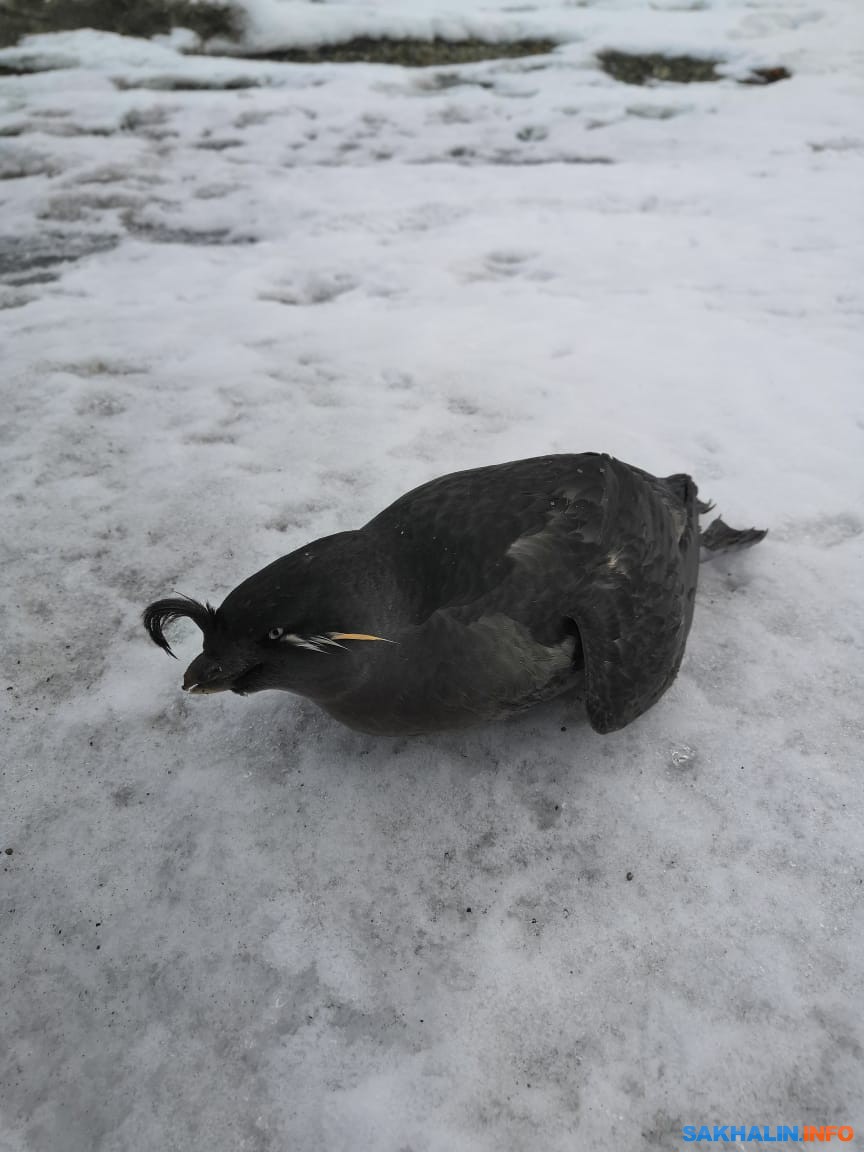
[{"x": 247, "y": 304}]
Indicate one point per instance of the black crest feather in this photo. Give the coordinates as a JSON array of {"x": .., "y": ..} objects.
[{"x": 162, "y": 612}]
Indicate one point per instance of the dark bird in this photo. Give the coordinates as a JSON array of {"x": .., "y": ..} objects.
[{"x": 479, "y": 594}]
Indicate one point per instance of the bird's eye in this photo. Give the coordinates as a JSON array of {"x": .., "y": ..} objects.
[{"x": 275, "y": 633}]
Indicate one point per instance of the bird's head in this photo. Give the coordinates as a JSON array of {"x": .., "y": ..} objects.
[{"x": 278, "y": 629}]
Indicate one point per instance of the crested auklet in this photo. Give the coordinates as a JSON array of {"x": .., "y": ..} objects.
[{"x": 476, "y": 595}]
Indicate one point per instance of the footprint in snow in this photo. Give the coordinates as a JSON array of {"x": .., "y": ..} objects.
[{"x": 320, "y": 289}]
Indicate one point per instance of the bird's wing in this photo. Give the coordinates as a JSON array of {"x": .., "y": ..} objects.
[
  {"x": 633, "y": 602},
  {"x": 617, "y": 554}
]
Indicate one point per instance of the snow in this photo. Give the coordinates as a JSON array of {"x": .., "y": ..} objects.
[{"x": 241, "y": 317}]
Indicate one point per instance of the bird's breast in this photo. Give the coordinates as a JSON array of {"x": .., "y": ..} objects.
[{"x": 446, "y": 673}]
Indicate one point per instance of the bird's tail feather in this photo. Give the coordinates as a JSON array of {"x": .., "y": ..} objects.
[{"x": 719, "y": 537}]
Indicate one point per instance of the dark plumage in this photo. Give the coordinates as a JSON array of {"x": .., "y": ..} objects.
[{"x": 476, "y": 595}]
